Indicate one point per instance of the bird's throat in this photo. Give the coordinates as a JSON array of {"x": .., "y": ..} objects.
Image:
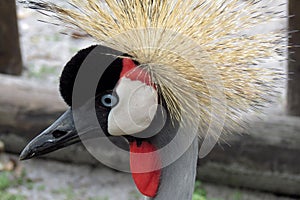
[{"x": 145, "y": 164}]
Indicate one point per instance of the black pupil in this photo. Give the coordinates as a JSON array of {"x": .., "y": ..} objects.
[{"x": 107, "y": 100}]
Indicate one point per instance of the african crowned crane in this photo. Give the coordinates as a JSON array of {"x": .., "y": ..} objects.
[
  {"x": 177, "y": 65},
  {"x": 63, "y": 132}
]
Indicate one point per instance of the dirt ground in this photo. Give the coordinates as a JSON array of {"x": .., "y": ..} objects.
[{"x": 48, "y": 180}]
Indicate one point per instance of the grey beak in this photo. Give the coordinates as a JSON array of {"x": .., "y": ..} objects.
[{"x": 60, "y": 134}]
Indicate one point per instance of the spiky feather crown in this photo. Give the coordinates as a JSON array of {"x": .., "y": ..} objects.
[{"x": 191, "y": 48}]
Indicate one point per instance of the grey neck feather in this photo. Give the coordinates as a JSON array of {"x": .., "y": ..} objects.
[{"x": 178, "y": 179}]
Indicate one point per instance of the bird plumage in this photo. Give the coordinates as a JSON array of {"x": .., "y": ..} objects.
[{"x": 188, "y": 47}]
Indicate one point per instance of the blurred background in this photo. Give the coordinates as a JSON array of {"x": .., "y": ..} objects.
[{"x": 262, "y": 162}]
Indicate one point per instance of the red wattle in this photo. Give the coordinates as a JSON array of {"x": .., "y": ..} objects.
[{"x": 142, "y": 164}]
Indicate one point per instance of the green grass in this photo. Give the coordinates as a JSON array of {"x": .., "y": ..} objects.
[
  {"x": 8, "y": 196},
  {"x": 134, "y": 195},
  {"x": 7, "y": 180},
  {"x": 68, "y": 192},
  {"x": 41, "y": 188},
  {"x": 237, "y": 196},
  {"x": 200, "y": 193}
]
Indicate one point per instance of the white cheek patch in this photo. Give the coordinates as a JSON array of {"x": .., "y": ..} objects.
[{"x": 135, "y": 110}]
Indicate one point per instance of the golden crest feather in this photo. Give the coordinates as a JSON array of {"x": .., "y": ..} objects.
[{"x": 199, "y": 51}]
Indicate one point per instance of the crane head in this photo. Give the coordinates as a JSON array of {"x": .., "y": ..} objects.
[{"x": 126, "y": 105}]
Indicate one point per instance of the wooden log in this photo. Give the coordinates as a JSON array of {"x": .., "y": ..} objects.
[
  {"x": 10, "y": 54},
  {"x": 27, "y": 107},
  {"x": 265, "y": 157},
  {"x": 293, "y": 106}
]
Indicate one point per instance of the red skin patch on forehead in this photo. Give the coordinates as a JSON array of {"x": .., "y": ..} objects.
[
  {"x": 131, "y": 71},
  {"x": 147, "y": 182}
]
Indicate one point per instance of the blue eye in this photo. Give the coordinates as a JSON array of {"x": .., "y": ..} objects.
[{"x": 109, "y": 100}]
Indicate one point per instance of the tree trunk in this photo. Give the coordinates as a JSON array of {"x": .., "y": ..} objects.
[
  {"x": 293, "y": 107},
  {"x": 10, "y": 55}
]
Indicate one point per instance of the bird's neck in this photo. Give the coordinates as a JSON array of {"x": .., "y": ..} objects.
[
  {"x": 178, "y": 155},
  {"x": 178, "y": 179}
]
